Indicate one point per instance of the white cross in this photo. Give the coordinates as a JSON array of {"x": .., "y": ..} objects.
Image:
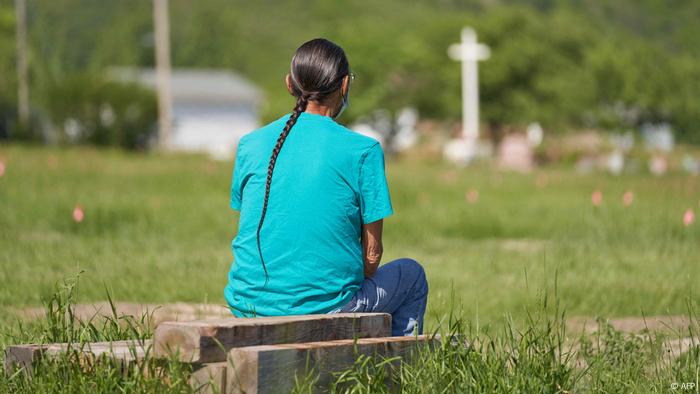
[{"x": 469, "y": 52}]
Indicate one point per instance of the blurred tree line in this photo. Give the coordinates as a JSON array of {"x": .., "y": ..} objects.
[{"x": 568, "y": 64}]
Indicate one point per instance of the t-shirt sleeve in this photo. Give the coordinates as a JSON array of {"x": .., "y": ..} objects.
[
  {"x": 375, "y": 202},
  {"x": 237, "y": 181}
]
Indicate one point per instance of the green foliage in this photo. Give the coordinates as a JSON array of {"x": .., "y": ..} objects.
[
  {"x": 535, "y": 356},
  {"x": 72, "y": 372},
  {"x": 102, "y": 112},
  {"x": 8, "y": 80},
  {"x": 62, "y": 326},
  {"x": 567, "y": 64},
  {"x": 536, "y": 74},
  {"x": 615, "y": 357},
  {"x": 368, "y": 374}
]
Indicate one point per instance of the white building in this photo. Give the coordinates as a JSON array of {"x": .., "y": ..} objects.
[{"x": 212, "y": 109}]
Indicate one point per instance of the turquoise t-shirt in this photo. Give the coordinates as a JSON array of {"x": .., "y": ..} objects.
[{"x": 327, "y": 182}]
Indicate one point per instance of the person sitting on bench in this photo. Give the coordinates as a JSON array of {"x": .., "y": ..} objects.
[{"x": 310, "y": 241}]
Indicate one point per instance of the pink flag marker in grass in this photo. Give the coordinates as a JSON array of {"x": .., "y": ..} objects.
[
  {"x": 472, "y": 196},
  {"x": 78, "y": 214},
  {"x": 627, "y": 198},
  {"x": 688, "y": 217},
  {"x": 597, "y": 198},
  {"x": 2, "y": 168}
]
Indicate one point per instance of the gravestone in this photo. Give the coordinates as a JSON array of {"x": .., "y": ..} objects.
[
  {"x": 658, "y": 165},
  {"x": 535, "y": 134},
  {"x": 515, "y": 153},
  {"x": 406, "y": 136},
  {"x": 658, "y": 137}
]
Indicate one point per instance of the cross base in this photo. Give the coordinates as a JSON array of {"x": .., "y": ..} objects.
[{"x": 464, "y": 151}]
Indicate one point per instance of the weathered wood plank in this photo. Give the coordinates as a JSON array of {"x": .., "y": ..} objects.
[
  {"x": 273, "y": 368},
  {"x": 155, "y": 313},
  {"x": 208, "y": 341},
  {"x": 209, "y": 378},
  {"x": 25, "y": 356},
  {"x": 21, "y": 356}
]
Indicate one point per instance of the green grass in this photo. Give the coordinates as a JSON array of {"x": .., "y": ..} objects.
[
  {"x": 529, "y": 358},
  {"x": 532, "y": 356},
  {"x": 158, "y": 228}
]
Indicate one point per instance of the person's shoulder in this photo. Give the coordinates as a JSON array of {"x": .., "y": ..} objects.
[
  {"x": 361, "y": 141},
  {"x": 263, "y": 133}
]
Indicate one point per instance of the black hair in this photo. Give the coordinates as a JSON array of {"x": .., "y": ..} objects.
[{"x": 318, "y": 69}]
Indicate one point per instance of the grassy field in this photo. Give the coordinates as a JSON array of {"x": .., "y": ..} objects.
[{"x": 157, "y": 228}]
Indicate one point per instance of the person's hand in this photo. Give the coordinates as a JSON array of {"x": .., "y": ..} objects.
[{"x": 370, "y": 269}]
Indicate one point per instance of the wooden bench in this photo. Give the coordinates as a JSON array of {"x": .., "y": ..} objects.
[
  {"x": 206, "y": 341},
  {"x": 256, "y": 355},
  {"x": 25, "y": 356},
  {"x": 273, "y": 368}
]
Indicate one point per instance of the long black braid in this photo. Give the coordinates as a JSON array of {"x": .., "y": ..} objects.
[
  {"x": 317, "y": 71},
  {"x": 298, "y": 109}
]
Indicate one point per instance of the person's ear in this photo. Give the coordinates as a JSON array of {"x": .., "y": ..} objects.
[
  {"x": 288, "y": 82},
  {"x": 346, "y": 85}
]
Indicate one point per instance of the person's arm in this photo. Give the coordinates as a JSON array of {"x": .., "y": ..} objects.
[{"x": 372, "y": 246}]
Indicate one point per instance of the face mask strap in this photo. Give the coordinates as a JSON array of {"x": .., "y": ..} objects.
[{"x": 346, "y": 99}]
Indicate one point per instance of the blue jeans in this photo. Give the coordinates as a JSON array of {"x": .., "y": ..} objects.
[{"x": 399, "y": 288}]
